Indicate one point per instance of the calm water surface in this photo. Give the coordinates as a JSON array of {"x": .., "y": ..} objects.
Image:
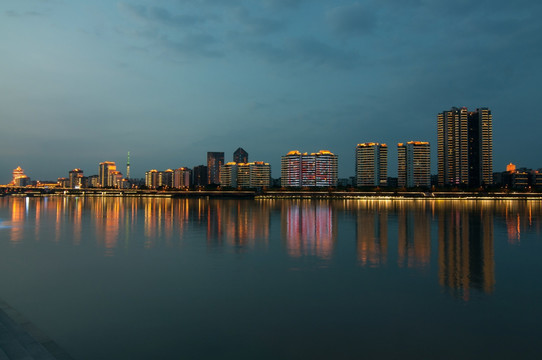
[{"x": 114, "y": 278}]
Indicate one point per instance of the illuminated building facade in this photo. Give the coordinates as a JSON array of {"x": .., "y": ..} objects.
[
  {"x": 465, "y": 147},
  {"x": 315, "y": 169},
  {"x": 414, "y": 164},
  {"x": 63, "y": 182},
  {"x": 215, "y": 160},
  {"x": 106, "y": 168},
  {"x": 19, "y": 178},
  {"x": 151, "y": 179},
  {"x": 182, "y": 178},
  {"x": 240, "y": 156},
  {"x": 372, "y": 164},
  {"x": 115, "y": 179},
  {"x": 76, "y": 178},
  {"x": 165, "y": 178},
  {"x": 246, "y": 175}
]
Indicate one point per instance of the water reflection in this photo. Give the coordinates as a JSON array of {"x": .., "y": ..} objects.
[
  {"x": 466, "y": 250},
  {"x": 372, "y": 234},
  {"x": 309, "y": 228},
  {"x": 454, "y": 239},
  {"x": 414, "y": 236}
]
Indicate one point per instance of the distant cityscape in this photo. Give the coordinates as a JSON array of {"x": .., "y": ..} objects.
[{"x": 464, "y": 156}]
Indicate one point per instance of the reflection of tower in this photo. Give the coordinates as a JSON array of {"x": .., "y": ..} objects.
[
  {"x": 372, "y": 236},
  {"x": 309, "y": 229},
  {"x": 466, "y": 251},
  {"x": 414, "y": 244}
]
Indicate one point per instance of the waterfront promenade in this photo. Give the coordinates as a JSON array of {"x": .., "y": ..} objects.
[
  {"x": 384, "y": 194},
  {"x": 21, "y": 340}
]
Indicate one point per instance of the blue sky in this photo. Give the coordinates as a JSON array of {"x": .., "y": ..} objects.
[{"x": 87, "y": 81}]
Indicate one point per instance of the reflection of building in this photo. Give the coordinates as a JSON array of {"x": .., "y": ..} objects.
[
  {"x": 414, "y": 236},
  {"x": 414, "y": 164},
  {"x": 371, "y": 164},
  {"x": 214, "y": 161},
  {"x": 466, "y": 256},
  {"x": 465, "y": 147},
  {"x": 250, "y": 175},
  {"x": 240, "y": 156},
  {"x": 315, "y": 169},
  {"x": 309, "y": 228},
  {"x": 372, "y": 236},
  {"x": 106, "y": 168}
]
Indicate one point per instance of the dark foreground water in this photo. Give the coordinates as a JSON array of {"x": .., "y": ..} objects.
[{"x": 242, "y": 279}]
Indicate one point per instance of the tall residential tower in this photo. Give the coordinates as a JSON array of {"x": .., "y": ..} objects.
[
  {"x": 414, "y": 164},
  {"x": 465, "y": 147},
  {"x": 372, "y": 164}
]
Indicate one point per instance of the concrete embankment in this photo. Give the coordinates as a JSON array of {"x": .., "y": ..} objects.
[
  {"x": 283, "y": 194},
  {"x": 21, "y": 340}
]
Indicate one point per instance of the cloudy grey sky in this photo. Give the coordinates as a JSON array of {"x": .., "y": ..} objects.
[{"x": 168, "y": 80}]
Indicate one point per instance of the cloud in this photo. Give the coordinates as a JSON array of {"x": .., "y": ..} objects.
[
  {"x": 12, "y": 13},
  {"x": 193, "y": 45},
  {"x": 303, "y": 51},
  {"x": 283, "y": 4},
  {"x": 351, "y": 20},
  {"x": 160, "y": 15},
  {"x": 258, "y": 25}
]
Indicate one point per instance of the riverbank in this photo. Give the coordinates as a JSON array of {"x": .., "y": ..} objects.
[{"x": 280, "y": 194}]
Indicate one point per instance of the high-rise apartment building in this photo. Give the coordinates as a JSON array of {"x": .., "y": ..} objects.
[
  {"x": 315, "y": 169},
  {"x": 76, "y": 178},
  {"x": 106, "y": 168},
  {"x": 152, "y": 178},
  {"x": 372, "y": 164},
  {"x": 182, "y": 178},
  {"x": 414, "y": 164},
  {"x": 240, "y": 156},
  {"x": 214, "y": 161},
  {"x": 165, "y": 178},
  {"x": 465, "y": 147},
  {"x": 246, "y": 175}
]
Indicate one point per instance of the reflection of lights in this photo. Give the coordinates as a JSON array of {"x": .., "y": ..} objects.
[{"x": 309, "y": 229}]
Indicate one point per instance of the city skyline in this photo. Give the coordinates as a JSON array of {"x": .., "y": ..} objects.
[{"x": 84, "y": 82}]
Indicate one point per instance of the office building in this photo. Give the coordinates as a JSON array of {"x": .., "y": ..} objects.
[
  {"x": 465, "y": 147},
  {"x": 199, "y": 175},
  {"x": 240, "y": 156},
  {"x": 106, "y": 168},
  {"x": 214, "y": 161},
  {"x": 315, "y": 169},
  {"x": 372, "y": 164},
  {"x": 414, "y": 164}
]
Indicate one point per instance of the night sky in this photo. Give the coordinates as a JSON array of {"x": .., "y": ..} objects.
[{"x": 83, "y": 82}]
